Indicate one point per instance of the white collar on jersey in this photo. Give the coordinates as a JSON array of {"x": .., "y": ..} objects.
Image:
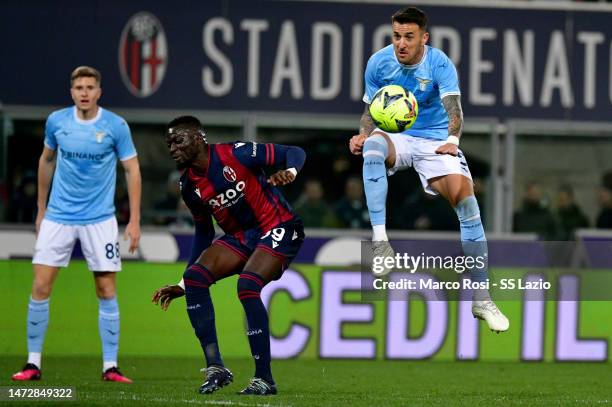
[
  {"x": 90, "y": 121},
  {"x": 415, "y": 65}
]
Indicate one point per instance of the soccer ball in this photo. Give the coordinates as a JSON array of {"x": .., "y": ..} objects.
[{"x": 394, "y": 109}]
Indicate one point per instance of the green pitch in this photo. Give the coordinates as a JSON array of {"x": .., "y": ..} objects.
[
  {"x": 159, "y": 351},
  {"x": 145, "y": 329},
  {"x": 174, "y": 381}
]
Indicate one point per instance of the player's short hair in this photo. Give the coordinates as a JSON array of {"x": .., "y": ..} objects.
[
  {"x": 85, "y": 72},
  {"x": 186, "y": 122},
  {"x": 410, "y": 15}
]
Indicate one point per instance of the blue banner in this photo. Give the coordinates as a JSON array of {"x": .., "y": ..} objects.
[{"x": 290, "y": 56}]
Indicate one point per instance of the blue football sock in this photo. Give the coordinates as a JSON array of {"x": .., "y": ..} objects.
[
  {"x": 38, "y": 321},
  {"x": 249, "y": 290},
  {"x": 201, "y": 312},
  {"x": 108, "y": 323},
  {"x": 473, "y": 237},
  {"x": 375, "y": 151}
]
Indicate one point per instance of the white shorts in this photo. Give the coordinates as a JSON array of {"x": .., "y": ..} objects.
[
  {"x": 420, "y": 153},
  {"x": 99, "y": 242}
]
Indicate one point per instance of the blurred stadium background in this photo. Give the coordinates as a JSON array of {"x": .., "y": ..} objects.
[{"x": 536, "y": 79}]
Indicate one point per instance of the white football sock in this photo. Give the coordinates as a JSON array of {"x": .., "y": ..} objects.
[
  {"x": 35, "y": 358},
  {"x": 380, "y": 233}
]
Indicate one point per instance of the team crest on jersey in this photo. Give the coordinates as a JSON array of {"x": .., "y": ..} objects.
[
  {"x": 143, "y": 54},
  {"x": 99, "y": 136},
  {"x": 423, "y": 83},
  {"x": 229, "y": 173}
]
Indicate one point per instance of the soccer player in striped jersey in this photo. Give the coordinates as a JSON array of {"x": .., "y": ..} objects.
[
  {"x": 228, "y": 181},
  {"x": 431, "y": 145}
]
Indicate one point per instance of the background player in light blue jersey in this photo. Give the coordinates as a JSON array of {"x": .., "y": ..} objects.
[
  {"x": 82, "y": 144},
  {"x": 430, "y": 145}
]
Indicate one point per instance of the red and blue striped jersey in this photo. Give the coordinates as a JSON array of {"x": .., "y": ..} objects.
[{"x": 235, "y": 189}]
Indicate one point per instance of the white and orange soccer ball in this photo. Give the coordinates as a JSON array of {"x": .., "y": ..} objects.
[{"x": 394, "y": 109}]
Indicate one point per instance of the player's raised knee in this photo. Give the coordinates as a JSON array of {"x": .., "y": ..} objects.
[
  {"x": 376, "y": 142},
  {"x": 376, "y": 148}
]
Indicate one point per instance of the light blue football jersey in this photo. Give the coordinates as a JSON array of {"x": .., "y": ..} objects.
[
  {"x": 429, "y": 80},
  {"x": 83, "y": 189}
]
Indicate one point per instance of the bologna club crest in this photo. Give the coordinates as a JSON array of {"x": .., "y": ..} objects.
[
  {"x": 143, "y": 54},
  {"x": 229, "y": 173}
]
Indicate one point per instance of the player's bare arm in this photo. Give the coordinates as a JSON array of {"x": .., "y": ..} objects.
[
  {"x": 452, "y": 104},
  {"x": 366, "y": 126},
  {"x": 163, "y": 296},
  {"x": 46, "y": 168},
  {"x": 134, "y": 185}
]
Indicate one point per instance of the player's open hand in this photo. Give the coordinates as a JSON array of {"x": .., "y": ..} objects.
[
  {"x": 356, "y": 144},
  {"x": 282, "y": 177},
  {"x": 164, "y": 296},
  {"x": 132, "y": 232},
  {"x": 448, "y": 148}
]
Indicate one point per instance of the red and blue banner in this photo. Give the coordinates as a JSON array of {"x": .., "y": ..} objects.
[{"x": 299, "y": 56}]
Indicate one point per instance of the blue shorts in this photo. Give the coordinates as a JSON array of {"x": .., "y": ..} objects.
[{"x": 282, "y": 241}]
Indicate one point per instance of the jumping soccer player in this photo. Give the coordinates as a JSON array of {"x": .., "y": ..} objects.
[
  {"x": 430, "y": 145},
  {"x": 262, "y": 235},
  {"x": 82, "y": 144}
]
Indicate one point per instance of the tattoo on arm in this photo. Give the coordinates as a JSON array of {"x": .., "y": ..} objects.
[
  {"x": 366, "y": 124},
  {"x": 452, "y": 104}
]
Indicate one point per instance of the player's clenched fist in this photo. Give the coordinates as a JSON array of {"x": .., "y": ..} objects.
[
  {"x": 282, "y": 177},
  {"x": 164, "y": 296},
  {"x": 356, "y": 143}
]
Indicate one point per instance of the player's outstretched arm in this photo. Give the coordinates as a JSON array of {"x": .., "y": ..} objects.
[
  {"x": 46, "y": 168},
  {"x": 163, "y": 296},
  {"x": 366, "y": 126},
  {"x": 452, "y": 104},
  {"x": 134, "y": 185}
]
